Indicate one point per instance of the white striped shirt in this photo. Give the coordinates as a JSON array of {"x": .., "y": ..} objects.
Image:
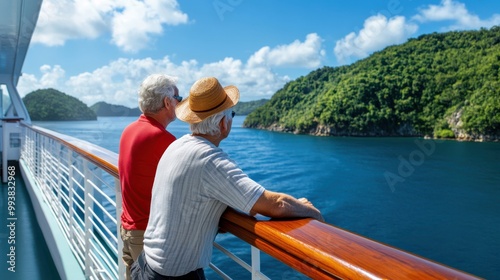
[{"x": 194, "y": 183}]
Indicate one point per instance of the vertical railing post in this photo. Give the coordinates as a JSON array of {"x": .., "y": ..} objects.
[
  {"x": 36, "y": 158},
  {"x": 27, "y": 153},
  {"x": 33, "y": 151},
  {"x": 42, "y": 170},
  {"x": 118, "y": 201},
  {"x": 49, "y": 192},
  {"x": 71, "y": 193},
  {"x": 25, "y": 145},
  {"x": 56, "y": 148},
  {"x": 88, "y": 217},
  {"x": 255, "y": 263}
]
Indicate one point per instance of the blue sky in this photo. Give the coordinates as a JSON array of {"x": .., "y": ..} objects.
[{"x": 101, "y": 50}]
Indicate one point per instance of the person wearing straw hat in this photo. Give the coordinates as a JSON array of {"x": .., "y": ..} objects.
[
  {"x": 194, "y": 184},
  {"x": 141, "y": 145}
]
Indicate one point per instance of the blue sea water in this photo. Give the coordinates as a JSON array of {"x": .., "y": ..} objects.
[{"x": 437, "y": 199}]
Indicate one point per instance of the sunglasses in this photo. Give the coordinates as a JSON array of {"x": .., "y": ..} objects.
[
  {"x": 177, "y": 97},
  {"x": 233, "y": 113}
]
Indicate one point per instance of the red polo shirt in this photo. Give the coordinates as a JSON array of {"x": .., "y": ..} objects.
[{"x": 141, "y": 146}]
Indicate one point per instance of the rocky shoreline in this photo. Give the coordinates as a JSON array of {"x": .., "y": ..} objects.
[{"x": 325, "y": 131}]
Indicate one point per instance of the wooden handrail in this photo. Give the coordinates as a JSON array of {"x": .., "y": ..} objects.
[
  {"x": 323, "y": 251},
  {"x": 99, "y": 156},
  {"x": 318, "y": 250}
]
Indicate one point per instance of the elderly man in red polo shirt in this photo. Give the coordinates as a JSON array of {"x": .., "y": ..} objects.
[{"x": 141, "y": 146}]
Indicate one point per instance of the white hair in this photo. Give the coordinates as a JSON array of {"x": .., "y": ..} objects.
[
  {"x": 210, "y": 125},
  {"x": 153, "y": 91}
]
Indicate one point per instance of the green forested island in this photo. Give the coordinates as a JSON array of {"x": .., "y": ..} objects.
[
  {"x": 439, "y": 85},
  {"x": 245, "y": 108},
  {"x": 103, "y": 109},
  {"x": 53, "y": 105}
]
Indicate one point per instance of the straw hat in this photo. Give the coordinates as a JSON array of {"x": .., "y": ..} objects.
[{"x": 206, "y": 97}]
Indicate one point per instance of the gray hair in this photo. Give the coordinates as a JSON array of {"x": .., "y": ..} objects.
[
  {"x": 153, "y": 91},
  {"x": 210, "y": 125}
]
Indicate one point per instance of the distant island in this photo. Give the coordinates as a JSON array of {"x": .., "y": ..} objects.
[
  {"x": 245, "y": 108},
  {"x": 103, "y": 109},
  {"x": 441, "y": 85},
  {"x": 53, "y": 105}
]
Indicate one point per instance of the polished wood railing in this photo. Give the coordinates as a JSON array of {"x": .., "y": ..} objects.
[
  {"x": 316, "y": 249},
  {"x": 323, "y": 251},
  {"x": 101, "y": 157}
]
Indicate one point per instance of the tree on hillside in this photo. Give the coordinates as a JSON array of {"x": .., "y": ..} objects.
[{"x": 53, "y": 105}]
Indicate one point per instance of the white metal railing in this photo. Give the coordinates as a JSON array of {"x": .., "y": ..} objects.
[
  {"x": 254, "y": 269},
  {"x": 85, "y": 197},
  {"x": 82, "y": 196}
]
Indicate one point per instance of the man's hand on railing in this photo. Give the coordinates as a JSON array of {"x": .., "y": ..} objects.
[
  {"x": 308, "y": 203},
  {"x": 281, "y": 205}
]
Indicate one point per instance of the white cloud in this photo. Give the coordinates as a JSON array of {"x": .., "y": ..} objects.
[
  {"x": 131, "y": 23},
  {"x": 456, "y": 12},
  {"x": 62, "y": 20},
  {"x": 307, "y": 54},
  {"x": 51, "y": 77},
  {"x": 133, "y": 26},
  {"x": 377, "y": 33},
  {"x": 118, "y": 81}
]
